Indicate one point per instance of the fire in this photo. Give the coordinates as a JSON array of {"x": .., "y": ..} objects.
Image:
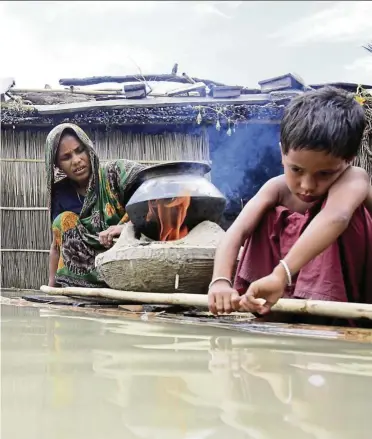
[{"x": 170, "y": 215}]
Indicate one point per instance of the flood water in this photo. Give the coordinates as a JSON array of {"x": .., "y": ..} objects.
[{"x": 68, "y": 375}]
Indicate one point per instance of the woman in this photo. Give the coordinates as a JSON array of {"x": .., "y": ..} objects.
[{"x": 86, "y": 202}]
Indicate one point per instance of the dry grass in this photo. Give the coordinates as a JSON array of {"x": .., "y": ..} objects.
[{"x": 364, "y": 159}]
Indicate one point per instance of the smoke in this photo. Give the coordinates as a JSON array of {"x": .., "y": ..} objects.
[{"x": 243, "y": 162}]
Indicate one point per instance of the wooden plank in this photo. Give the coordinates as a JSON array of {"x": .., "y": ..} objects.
[{"x": 259, "y": 99}]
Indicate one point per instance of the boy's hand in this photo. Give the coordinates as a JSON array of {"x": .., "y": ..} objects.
[
  {"x": 222, "y": 298},
  {"x": 264, "y": 293}
]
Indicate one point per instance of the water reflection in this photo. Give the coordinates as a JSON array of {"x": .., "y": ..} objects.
[{"x": 66, "y": 375}]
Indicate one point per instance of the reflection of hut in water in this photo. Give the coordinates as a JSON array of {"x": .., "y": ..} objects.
[{"x": 236, "y": 129}]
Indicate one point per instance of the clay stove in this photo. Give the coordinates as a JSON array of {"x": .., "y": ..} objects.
[{"x": 175, "y": 211}]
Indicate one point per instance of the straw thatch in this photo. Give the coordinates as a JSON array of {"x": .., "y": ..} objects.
[
  {"x": 25, "y": 228},
  {"x": 184, "y": 113},
  {"x": 364, "y": 159}
]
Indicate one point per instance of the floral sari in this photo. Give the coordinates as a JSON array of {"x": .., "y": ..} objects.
[{"x": 76, "y": 236}]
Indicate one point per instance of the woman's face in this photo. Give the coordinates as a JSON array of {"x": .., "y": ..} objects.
[{"x": 73, "y": 160}]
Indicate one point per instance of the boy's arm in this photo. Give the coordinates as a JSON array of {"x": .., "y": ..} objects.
[
  {"x": 228, "y": 249},
  {"x": 344, "y": 197},
  {"x": 248, "y": 219}
]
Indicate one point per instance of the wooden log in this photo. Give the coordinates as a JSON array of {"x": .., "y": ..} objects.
[
  {"x": 345, "y": 310},
  {"x": 131, "y": 78}
]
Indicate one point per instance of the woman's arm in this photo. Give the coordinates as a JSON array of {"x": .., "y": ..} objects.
[{"x": 53, "y": 262}]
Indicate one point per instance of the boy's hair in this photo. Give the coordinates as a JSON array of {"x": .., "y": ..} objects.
[{"x": 327, "y": 119}]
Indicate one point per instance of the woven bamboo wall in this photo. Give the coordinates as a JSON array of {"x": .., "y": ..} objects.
[
  {"x": 364, "y": 159},
  {"x": 25, "y": 228}
]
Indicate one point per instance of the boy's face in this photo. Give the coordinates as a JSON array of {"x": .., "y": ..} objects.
[{"x": 309, "y": 174}]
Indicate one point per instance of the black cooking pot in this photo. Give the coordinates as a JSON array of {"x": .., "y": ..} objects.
[{"x": 171, "y": 180}]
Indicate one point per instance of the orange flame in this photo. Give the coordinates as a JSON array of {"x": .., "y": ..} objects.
[{"x": 170, "y": 215}]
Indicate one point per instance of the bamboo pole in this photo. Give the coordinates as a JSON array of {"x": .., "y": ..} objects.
[
  {"x": 11, "y": 208},
  {"x": 152, "y": 162},
  {"x": 23, "y": 250},
  {"x": 345, "y": 310}
]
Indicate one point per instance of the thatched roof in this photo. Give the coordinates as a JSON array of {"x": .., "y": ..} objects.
[
  {"x": 172, "y": 110},
  {"x": 181, "y": 105}
]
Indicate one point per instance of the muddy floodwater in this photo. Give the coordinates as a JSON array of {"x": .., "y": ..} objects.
[{"x": 75, "y": 375}]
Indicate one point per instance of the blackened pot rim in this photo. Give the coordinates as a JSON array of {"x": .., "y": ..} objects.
[{"x": 174, "y": 167}]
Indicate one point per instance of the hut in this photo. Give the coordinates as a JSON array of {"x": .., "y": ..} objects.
[{"x": 235, "y": 129}]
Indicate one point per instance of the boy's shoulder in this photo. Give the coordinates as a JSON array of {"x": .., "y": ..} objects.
[
  {"x": 277, "y": 182},
  {"x": 275, "y": 191},
  {"x": 353, "y": 183},
  {"x": 352, "y": 175},
  {"x": 358, "y": 171},
  {"x": 278, "y": 185}
]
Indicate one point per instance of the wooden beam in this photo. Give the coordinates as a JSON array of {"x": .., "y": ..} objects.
[{"x": 259, "y": 99}]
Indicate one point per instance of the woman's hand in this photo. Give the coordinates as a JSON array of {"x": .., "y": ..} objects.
[
  {"x": 106, "y": 237},
  {"x": 264, "y": 293}
]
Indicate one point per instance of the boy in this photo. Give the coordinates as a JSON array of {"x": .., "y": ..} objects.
[{"x": 307, "y": 233}]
